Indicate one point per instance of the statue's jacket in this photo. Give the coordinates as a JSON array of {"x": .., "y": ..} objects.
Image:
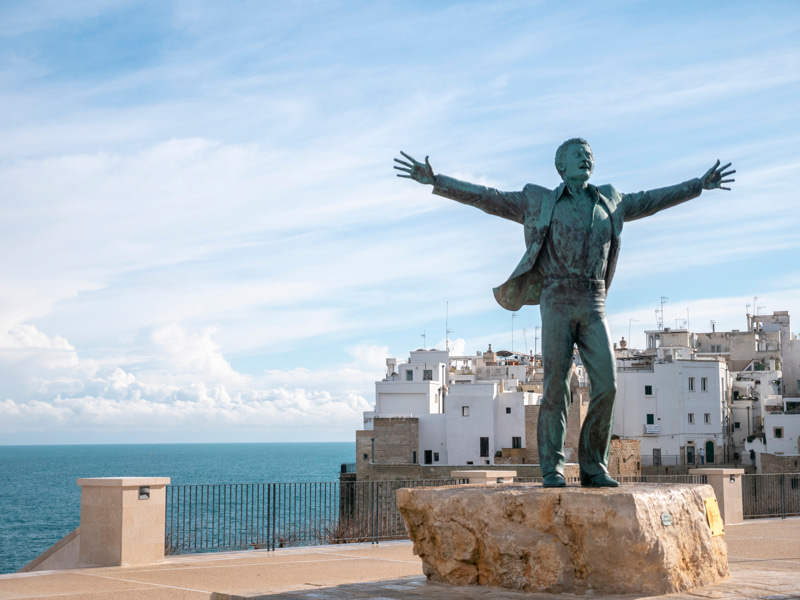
[{"x": 533, "y": 208}]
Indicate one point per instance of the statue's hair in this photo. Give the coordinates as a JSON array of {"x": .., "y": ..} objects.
[{"x": 562, "y": 151}]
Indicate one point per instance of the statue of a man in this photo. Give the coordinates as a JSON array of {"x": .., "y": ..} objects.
[{"x": 572, "y": 236}]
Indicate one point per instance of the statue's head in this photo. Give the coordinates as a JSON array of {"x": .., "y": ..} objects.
[{"x": 574, "y": 159}]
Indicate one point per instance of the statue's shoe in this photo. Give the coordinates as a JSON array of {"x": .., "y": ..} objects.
[
  {"x": 554, "y": 480},
  {"x": 599, "y": 480}
]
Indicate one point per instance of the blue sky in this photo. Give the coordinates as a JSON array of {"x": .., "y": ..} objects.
[{"x": 204, "y": 239}]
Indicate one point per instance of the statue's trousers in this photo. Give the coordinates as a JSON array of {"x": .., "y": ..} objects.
[{"x": 576, "y": 317}]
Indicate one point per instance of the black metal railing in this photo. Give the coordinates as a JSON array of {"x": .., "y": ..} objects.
[
  {"x": 675, "y": 460},
  {"x": 772, "y": 495},
  {"x": 205, "y": 518}
]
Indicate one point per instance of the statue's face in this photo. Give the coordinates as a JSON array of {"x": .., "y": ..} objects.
[{"x": 578, "y": 162}]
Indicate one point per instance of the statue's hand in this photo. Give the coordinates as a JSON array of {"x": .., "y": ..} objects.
[
  {"x": 714, "y": 177},
  {"x": 423, "y": 173}
]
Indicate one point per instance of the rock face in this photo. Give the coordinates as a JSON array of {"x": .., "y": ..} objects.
[{"x": 645, "y": 538}]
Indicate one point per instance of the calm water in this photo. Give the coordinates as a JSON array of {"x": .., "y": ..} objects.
[{"x": 40, "y": 502}]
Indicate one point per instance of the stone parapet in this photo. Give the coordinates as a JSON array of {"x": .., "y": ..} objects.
[{"x": 640, "y": 538}]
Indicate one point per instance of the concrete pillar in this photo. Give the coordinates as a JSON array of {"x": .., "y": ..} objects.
[
  {"x": 727, "y": 484},
  {"x": 122, "y": 520}
]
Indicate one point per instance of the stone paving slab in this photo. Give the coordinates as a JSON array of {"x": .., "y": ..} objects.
[{"x": 750, "y": 585}]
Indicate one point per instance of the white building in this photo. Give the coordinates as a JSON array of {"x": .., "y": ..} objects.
[
  {"x": 674, "y": 407},
  {"x": 468, "y": 407}
]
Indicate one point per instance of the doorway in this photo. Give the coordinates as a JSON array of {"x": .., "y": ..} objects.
[{"x": 709, "y": 452}]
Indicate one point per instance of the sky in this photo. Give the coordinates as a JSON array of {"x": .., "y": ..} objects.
[{"x": 203, "y": 238}]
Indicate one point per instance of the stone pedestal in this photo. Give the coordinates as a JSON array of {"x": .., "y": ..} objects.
[
  {"x": 727, "y": 484},
  {"x": 122, "y": 520},
  {"x": 639, "y": 538}
]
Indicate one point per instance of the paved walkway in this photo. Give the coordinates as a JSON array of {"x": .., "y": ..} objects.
[{"x": 764, "y": 559}]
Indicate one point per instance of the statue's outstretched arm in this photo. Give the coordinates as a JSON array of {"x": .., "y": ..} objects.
[
  {"x": 508, "y": 205},
  {"x": 643, "y": 204}
]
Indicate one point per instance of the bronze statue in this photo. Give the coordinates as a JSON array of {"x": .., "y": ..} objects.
[{"x": 572, "y": 236}]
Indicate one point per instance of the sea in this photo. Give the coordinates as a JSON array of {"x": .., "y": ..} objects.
[{"x": 40, "y": 500}]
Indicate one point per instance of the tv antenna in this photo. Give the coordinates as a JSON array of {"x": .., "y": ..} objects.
[
  {"x": 660, "y": 314},
  {"x": 513, "y": 316},
  {"x": 525, "y": 337},
  {"x": 447, "y": 331},
  {"x": 422, "y": 335},
  {"x": 629, "y": 330},
  {"x": 713, "y": 326}
]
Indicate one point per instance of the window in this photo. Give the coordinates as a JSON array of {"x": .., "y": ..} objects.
[
  {"x": 508, "y": 410},
  {"x": 737, "y": 425},
  {"x": 704, "y": 384},
  {"x": 651, "y": 419},
  {"x": 516, "y": 442},
  {"x": 778, "y": 432},
  {"x": 427, "y": 375},
  {"x": 409, "y": 375},
  {"x": 428, "y": 457},
  {"x": 691, "y": 384},
  {"x": 465, "y": 411},
  {"x": 707, "y": 418},
  {"x": 366, "y": 456},
  {"x": 648, "y": 390},
  {"x": 715, "y": 348},
  {"x": 691, "y": 418},
  {"x": 414, "y": 456},
  {"x": 435, "y": 457}
]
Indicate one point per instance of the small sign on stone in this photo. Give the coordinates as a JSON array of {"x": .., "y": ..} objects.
[
  {"x": 714, "y": 517},
  {"x": 666, "y": 519}
]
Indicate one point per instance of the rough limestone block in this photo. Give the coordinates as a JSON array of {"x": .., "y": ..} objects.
[{"x": 574, "y": 540}]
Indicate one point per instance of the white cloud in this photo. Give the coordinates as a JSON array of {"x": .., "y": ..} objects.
[
  {"x": 195, "y": 355},
  {"x": 191, "y": 387}
]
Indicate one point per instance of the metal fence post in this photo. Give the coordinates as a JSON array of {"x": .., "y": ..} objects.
[{"x": 783, "y": 496}]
